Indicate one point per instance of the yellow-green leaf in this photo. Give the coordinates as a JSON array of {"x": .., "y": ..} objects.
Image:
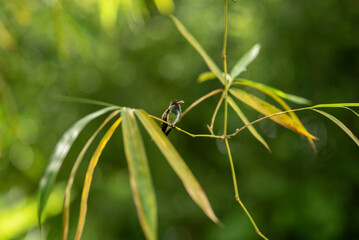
[
  {"x": 206, "y": 76},
  {"x": 245, "y": 121},
  {"x": 55, "y": 162},
  {"x": 331, "y": 105},
  {"x": 177, "y": 163},
  {"x": 279, "y": 93},
  {"x": 140, "y": 177},
  {"x": 340, "y": 124},
  {"x": 195, "y": 44},
  {"x": 165, "y": 7},
  {"x": 89, "y": 175},
  {"x": 244, "y": 61},
  {"x": 67, "y": 198},
  {"x": 268, "y": 109}
]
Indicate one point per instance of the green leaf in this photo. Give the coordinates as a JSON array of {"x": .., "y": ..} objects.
[
  {"x": 178, "y": 165},
  {"x": 340, "y": 124},
  {"x": 165, "y": 7},
  {"x": 357, "y": 114},
  {"x": 89, "y": 175},
  {"x": 206, "y": 76},
  {"x": 62, "y": 148},
  {"x": 195, "y": 44},
  {"x": 67, "y": 198},
  {"x": 279, "y": 93},
  {"x": 140, "y": 177},
  {"x": 245, "y": 121},
  {"x": 268, "y": 109},
  {"x": 244, "y": 61},
  {"x": 87, "y": 101},
  {"x": 334, "y": 105}
]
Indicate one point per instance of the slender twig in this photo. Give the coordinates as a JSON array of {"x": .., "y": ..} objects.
[
  {"x": 268, "y": 116},
  {"x": 190, "y": 134},
  {"x": 210, "y": 128},
  {"x": 198, "y": 101}
]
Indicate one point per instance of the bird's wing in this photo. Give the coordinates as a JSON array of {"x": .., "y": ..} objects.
[{"x": 164, "y": 117}]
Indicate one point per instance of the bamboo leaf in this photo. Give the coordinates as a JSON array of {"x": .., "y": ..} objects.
[
  {"x": 89, "y": 175},
  {"x": 165, "y": 7},
  {"x": 205, "y": 76},
  {"x": 245, "y": 121},
  {"x": 62, "y": 148},
  {"x": 357, "y": 114},
  {"x": 87, "y": 101},
  {"x": 272, "y": 93},
  {"x": 268, "y": 109},
  {"x": 340, "y": 124},
  {"x": 331, "y": 105},
  {"x": 244, "y": 61},
  {"x": 140, "y": 177},
  {"x": 67, "y": 198},
  {"x": 178, "y": 165},
  {"x": 261, "y": 86},
  {"x": 195, "y": 44}
]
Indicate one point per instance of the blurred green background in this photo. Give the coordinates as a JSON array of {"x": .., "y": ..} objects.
[{"x": 125, "y": 52}]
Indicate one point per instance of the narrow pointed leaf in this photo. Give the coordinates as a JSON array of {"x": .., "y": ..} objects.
[
  {"x": 272, "y": 93},
  {"x": 58, "y": 156},
  {"x": 340, "y": 124},
  {"x": 67, "y": 198},
  {"x": 195, "y": 44},
  {"x": 206, "y": 76},
  {"x": 87, "y": 101},
  {"x": 279, "y": 93},
  {"x": 244, "y": 61},
  {"x": 331, "y": 105},
  {"x": 243, "y": 117},
  {"x": 357, "y": 114},
  {"x": 140, "y": 177},
  {"x": 268, "y": 109},
  {"x": 89, "y": 175},
  {"x": 178, "y": 165}
]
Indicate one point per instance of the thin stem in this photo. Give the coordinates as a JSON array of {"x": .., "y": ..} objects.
[
  {"x": 190, "y": 134},
  {"x": 225, "y": 66},
  {"x": 210, "y": 128},
  {"x": 268, "y": 116},
  {"x": 198, "y": 101}
]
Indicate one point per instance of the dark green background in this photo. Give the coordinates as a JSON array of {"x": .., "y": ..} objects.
[{"x": 309, "y": 48}]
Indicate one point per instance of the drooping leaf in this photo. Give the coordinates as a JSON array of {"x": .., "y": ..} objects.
[
  {"x": 340, "y": 124},
  {"x": 268, "y": 109},
  {"x": 244, "y": 61},
  {"x": 273, "y": 94},
  {"x": 177, "y": 163},
  {"x": 243, "y": 117},
  {"x": 205, "y": 76},
  {"x": 198, "y": 101},
  {"x": 89, "y": 175},
  {"x": 165, "y": 7},
  {"x": 67, "y": 198},
  {"x": 261, "y": 86},
  {"x": 334, "y": 105},
  {"x": 55, "y": 162},
  {"x": 87, "y": 101},
  {"x": 140, "y": 177},
  {"x": 357, "y": 114},
  {"x": 195, "y": 44}
]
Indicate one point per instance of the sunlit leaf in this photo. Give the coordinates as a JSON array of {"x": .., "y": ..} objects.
[
  {"x": 178, "y": 165},
  {"x": 334, "y": 105},
  {"x": 89, "y": 175},
  {"x": 268, "y": 109},
  {"x": 165, "y": 7},
  {"x": 244, "y": 61},
  {"x": 195, "y": 44},
  {"x": 261, "y": 86},
  {"x": 67, "y": 198},
  {"x": 340, "y": 124},
  {"x": 140, "y": 177},
  {"x": 245, "y": 121},
  {"x": 55, "y": 162},
  {"x": 206, "y": 76},
  {"x": 273, "y": 94}
]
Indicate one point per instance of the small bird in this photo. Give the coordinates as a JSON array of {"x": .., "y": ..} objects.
[{"x": 172, "y": 115}]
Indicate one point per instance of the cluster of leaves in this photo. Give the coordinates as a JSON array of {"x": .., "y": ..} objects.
[{"x": 140, "y": 177}]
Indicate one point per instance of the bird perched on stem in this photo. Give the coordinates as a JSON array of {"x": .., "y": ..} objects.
[{"x": 172, "y": 115}]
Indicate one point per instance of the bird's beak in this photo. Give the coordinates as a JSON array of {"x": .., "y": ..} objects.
[{"x": 179, "y": 102}]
